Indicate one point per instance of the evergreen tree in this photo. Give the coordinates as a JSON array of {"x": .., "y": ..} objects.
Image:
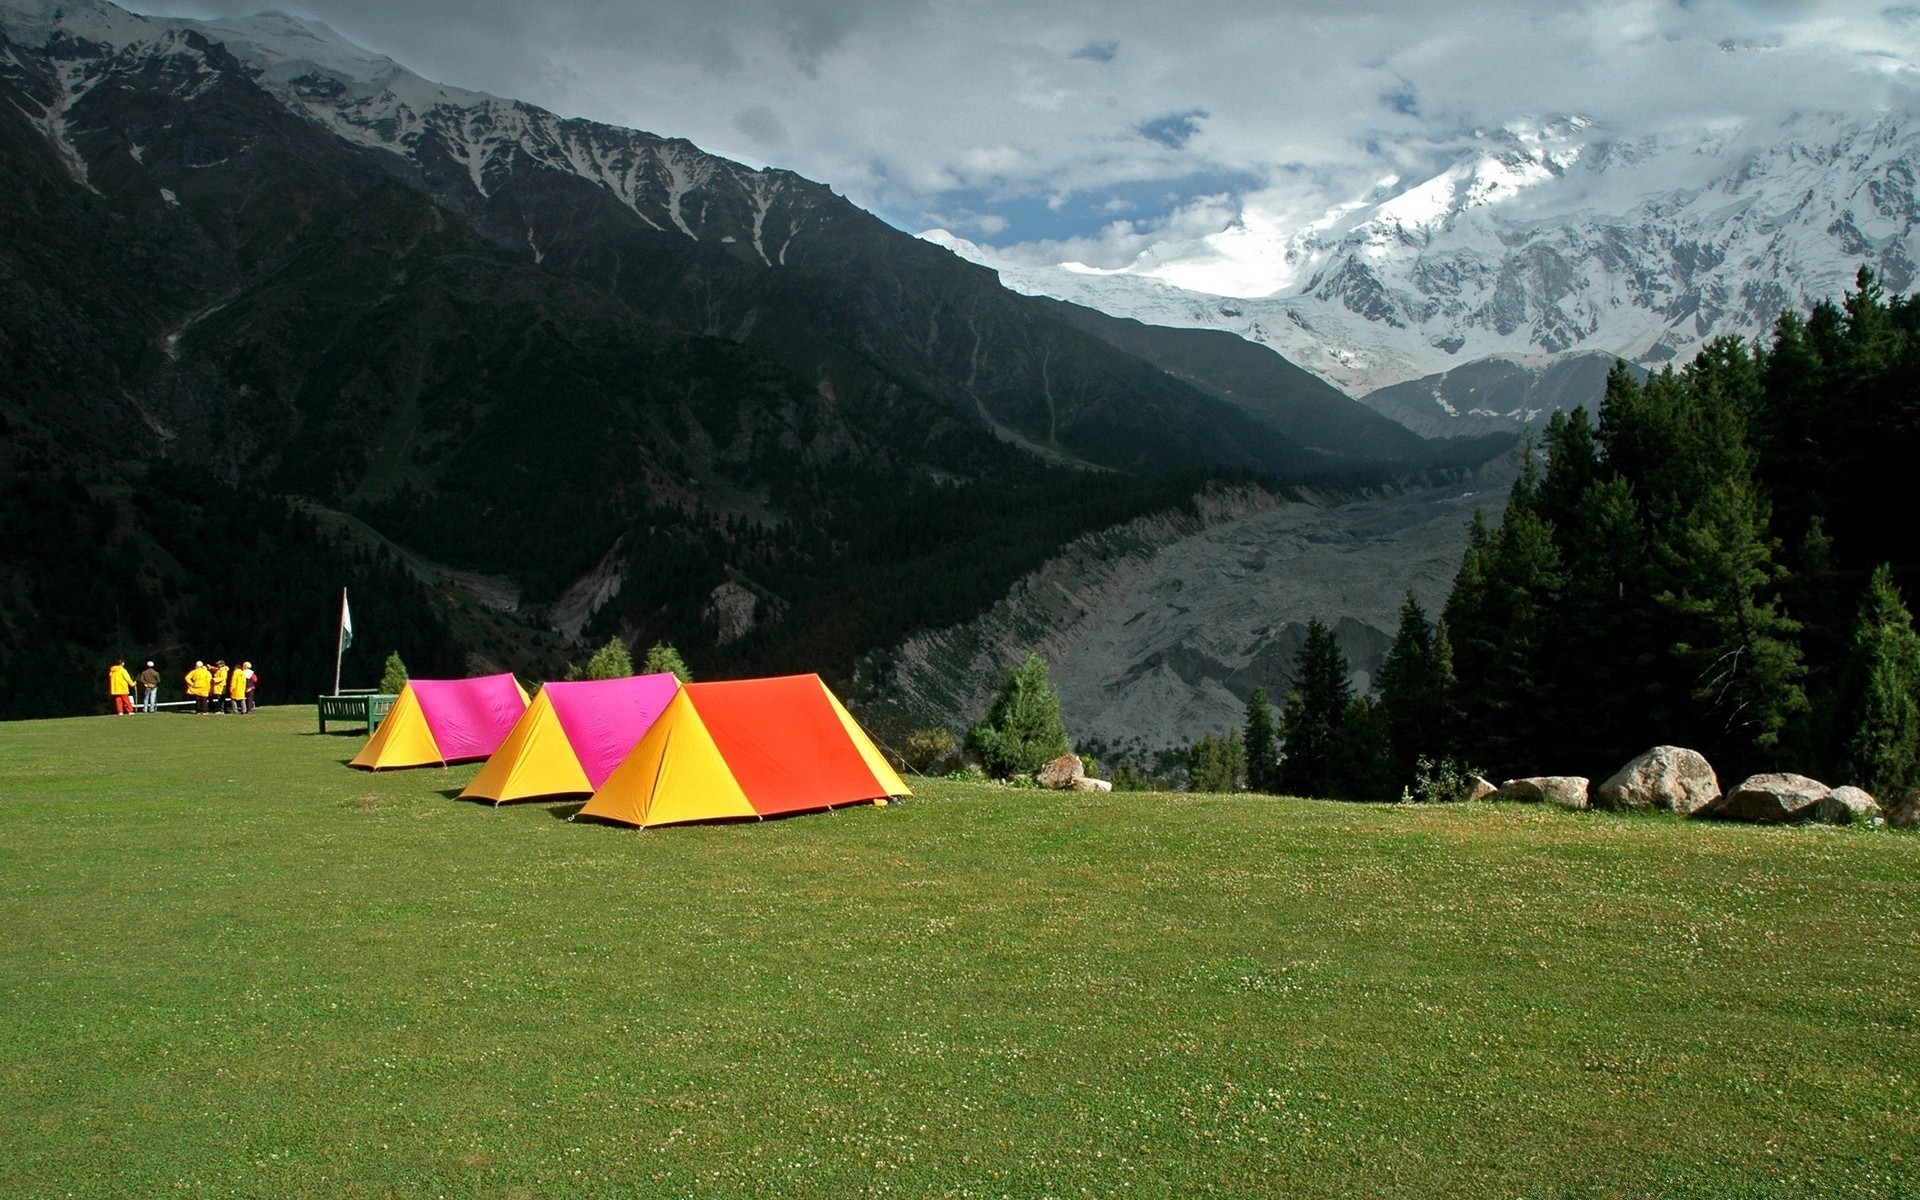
[
  {"x": 1883, "y": 749},
  {"x": 1262, "y": 744},
  {"x": 1316, "y": 705},
  {"x": 1217, "y": 764},
  {"x": 611, "y": 661},
  {"x": 1022, "y": 731},
  {"x": 1362, "y": 767},
  {"x": 1502, "y": 630},
  {"x": 664, "y": 658},
  {"x": 1415, "y": 682},
  {"x": 1735, "y": 644},
  {"x": 393, "y": 677}
]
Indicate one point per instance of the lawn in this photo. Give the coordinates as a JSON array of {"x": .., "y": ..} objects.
[{"x": 231, "y": 965}]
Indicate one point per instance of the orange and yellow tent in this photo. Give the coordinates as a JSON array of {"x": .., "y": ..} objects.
[
  {"x": 444, "y": 721},
  {"x": 746, "y": 748},
  {"x": 572, "y": 737}
]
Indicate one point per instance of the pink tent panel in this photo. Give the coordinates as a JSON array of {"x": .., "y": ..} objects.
[
  {"x": 469, "y": 718},
  {"x": 604, "y": 719}
]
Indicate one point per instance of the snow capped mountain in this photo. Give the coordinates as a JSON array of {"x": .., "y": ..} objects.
[{"x": 1543, "y": 239}]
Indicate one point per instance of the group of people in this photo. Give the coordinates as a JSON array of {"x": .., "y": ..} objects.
[{"x": 218, "y": 688}]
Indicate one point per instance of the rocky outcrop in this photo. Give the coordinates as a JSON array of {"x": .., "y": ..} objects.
[
  {"x": 1665, "y": 777},
  {"x": 1774, "y": 798},
  {"x": 1847, "y": 806},
  {"x": 1061, "y": 772},
  {"x": 1568, "y": 791}
]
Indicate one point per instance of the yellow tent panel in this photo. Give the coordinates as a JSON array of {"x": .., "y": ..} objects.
[
  {"x": 890, "y": 782},
  {"x": 676, "y": 773},
  {"x": 403, "y": 739},
  {"x": 535, "y": 760}
]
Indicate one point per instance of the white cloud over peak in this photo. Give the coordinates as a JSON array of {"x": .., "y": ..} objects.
[{"x": 1100, "y": 132}]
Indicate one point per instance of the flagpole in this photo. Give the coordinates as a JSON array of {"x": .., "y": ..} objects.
[{"x": 340, "y": 642}]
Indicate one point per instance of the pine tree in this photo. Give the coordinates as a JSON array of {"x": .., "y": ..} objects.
[
  {"x": 1883, "y": 749},
  {"x": 1316, "y": 705},
  {"x": 1216, "y": 764},
  {"x": 1735, "y": 644},
  {"x": 664, "y": 658},
  {"x": 393, "y": 676},
  {"x": 611, "y": 661},
  {"x": 1022, "y": 731},
  {"x": 1414, "y": 687},
  {"x": 1262, "y": 744},
  {"x": 1362, "y": 767}
]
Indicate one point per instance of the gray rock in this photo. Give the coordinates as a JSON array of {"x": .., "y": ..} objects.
[
  {"x": 1568, "y": 791},
  {"x": 1846, "y": 805},
  {"x": 1904, "y": 811},
  {"x": 1084, "y": 784},
  {"x": 1479, "y": 788},
  {"x": 1061, "y": 772},
  {"x": 1773, "y": 798},
  {"x": 1666, "y": 777}
]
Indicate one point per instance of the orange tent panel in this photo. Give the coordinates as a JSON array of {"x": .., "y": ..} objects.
[{"x": 750, "y": 747}]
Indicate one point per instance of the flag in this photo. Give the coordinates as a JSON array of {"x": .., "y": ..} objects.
[{"x": 346, "y": 622}]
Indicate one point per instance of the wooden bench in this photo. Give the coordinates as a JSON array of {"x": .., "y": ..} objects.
[{"x": 367, "y": 709}]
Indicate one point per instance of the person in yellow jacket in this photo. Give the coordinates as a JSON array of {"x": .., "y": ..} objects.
[
  {"x": 219, "y": 696},
  {"x": 120, "y": 687},
  {"x": 199, "y": 686},
  {"x": 237, "y": 690}
]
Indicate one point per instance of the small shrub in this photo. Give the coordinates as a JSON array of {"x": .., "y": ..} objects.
[
  {"x": 393, "y": 677},
  {"x": 663, "y": 657},
  {"x": 966, "y": 775},
  {"x": 1442, "y": 781},
  {"x": 611, "y": 661},
  {"x": 1023, "y": 731},
  {"x": 928, "y": 750}
]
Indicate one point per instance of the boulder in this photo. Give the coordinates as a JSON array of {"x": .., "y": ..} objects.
[
  {"x": 1084, "y": 784},
  {"x": 1668, "y": 777},
  {"x": 1479, "y": 787},
  {"x": 1846, "y": 805},
  {"x": 1061, "y": 772},
  {"x": 1568, "y": 791},
  {"x": 1904, "y": 811},
  {"x": 1774, "y": 798}
]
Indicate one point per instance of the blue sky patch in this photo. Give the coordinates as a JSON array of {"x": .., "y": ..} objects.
[
  {"x": 1173, "y": 130},
  {"x": 1079, "y": 214}
]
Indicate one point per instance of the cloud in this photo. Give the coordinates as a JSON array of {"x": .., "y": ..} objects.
[
  {"x": 760, "y": 124},
  {"x": 1034, "y": 115}
]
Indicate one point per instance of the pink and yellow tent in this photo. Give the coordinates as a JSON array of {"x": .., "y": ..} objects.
[
  {"x": 746, "y": 748},
  {"x": 444, "y": 721},
  {"x": 572, "y": 737}
]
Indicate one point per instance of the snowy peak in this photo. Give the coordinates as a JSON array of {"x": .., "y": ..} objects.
[{"x": 1543, "y": 239}]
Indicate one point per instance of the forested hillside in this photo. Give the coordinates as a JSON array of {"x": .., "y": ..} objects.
[{"x": 1715, "y": 562}]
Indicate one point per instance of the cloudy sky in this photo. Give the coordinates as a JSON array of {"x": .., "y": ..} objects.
[{"x": 1091, "y": 131}]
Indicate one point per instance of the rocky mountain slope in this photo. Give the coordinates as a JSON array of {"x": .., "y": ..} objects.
[
  {"x": 1159, "y": 630},
  {"x": 1554, "y": 238}
]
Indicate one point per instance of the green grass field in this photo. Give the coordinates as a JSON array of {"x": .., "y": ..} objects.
[{"x": 231, "y": 965}]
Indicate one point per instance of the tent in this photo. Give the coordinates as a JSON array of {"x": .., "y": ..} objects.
[
  {"x": 572, "y": 737},
  {"x": 746, "y": 748},
  {"x": 444, "y": 721}
]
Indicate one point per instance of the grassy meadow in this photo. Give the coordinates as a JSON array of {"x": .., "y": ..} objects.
[{"x": 231, "y": 965}]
